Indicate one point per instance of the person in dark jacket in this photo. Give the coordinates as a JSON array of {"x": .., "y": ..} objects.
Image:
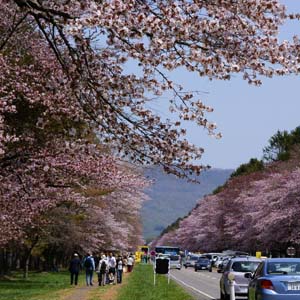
[{"x": 74, "y": 268}]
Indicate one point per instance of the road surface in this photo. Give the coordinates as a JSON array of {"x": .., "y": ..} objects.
[{"x": 203, "y": 285}]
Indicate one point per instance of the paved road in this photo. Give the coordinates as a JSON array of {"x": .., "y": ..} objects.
[{"x": 203, "y": 285}]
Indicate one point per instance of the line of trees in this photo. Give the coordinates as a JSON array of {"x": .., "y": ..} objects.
[
  {"x": 256, "y": 209},
  {"x": 62, "y": 189}
]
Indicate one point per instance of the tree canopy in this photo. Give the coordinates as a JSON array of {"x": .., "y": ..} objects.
[
  {"x": 71, "y": 107},
  {"x": 91, "y": 44}
]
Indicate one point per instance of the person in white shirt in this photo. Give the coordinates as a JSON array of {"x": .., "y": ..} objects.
[
  {"x": 130, "y": 263},
  {"x": 112, "y": 263}
]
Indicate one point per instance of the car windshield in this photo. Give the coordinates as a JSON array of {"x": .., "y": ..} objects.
[
  {"x": 245, "y": 266},
  {"x": 193, "y": 258},
  {"x": 283, "y": 268},
  {"x": 203, "y": 260},
  {"x": 174, "y": 257}
]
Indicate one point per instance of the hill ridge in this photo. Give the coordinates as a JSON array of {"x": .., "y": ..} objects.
[{"x": 171, "y": 197}]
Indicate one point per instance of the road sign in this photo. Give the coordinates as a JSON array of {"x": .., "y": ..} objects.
[
  {"x": 291, "y": 251},
  {"x": 162, "y": 266}
]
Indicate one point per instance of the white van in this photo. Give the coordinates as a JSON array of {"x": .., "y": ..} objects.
[{"x": 175, "y": 262}]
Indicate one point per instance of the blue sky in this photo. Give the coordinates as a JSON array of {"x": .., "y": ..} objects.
[{"x": 247, "y": 116}]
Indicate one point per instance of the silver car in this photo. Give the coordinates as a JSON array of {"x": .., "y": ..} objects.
[
  {"x": 190, "y": 261},
  {"x": 237, "y": 266}
]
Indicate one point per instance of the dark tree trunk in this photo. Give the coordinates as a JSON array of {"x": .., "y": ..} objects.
[{"x": 28, "y": 255}]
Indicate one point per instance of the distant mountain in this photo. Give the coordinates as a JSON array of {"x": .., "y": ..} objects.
[{"x": 172, "y": 197}]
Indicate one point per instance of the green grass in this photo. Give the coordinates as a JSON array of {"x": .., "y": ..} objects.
[
  {"x": 39, "y": 286},
  {"x": 140, "y": 287}
]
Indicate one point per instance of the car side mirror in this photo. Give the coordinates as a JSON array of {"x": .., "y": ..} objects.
[{"x": 248, "y": 275}]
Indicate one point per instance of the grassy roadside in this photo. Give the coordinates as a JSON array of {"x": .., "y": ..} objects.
[
  {"x": 137, "y": 285},
  {"x": 140, "y": 287},
  {"x": 39, "y": 286}
]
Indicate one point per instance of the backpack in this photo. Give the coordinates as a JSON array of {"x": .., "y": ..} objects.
[
  {"x": 103, "y": 266},
  {"x": 88, "y": 263}
]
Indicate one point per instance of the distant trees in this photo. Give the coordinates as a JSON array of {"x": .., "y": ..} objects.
[
  {"x": 250, "y": 214},
  {"x": 253, "y": 165},
  {"x": 257, "y": 209},
  {"x": 281, "y": 144}
]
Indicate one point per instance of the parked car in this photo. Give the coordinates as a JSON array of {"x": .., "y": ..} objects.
[
  {"x": 203, "y": 263},
  {"x": 221, "y": 266},
  {"x": 190, "y": 261},
  {"x": 219, "y": 261},
  {"x": 237, "y": 266},
  {"x": 276, "y": 279},
  {"x": 212, "y": 257}
]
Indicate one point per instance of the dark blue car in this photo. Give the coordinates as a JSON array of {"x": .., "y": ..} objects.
[{"x": 203, "y": 263}]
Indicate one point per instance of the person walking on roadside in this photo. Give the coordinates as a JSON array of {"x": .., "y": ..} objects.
[
  {"x": 125, "y": 264},
  {"x": 130, "y": 262},
  {"x": 112, "y": 263},
  {"x": 102, "y": 270},
  {"x": 74, "y": 268},
  {"x": 119, "y": 269},
  {"x": 89, "y": 265}
]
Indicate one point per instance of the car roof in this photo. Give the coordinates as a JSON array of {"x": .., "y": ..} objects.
[
  {"x": 283, "y": 259},
  {"x": 245, "y": 258}
]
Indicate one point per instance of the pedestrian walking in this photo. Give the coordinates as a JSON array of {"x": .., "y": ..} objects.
[
  {"x": 125, "y": 264},
  {"x": 89, "y": 265},
  {"x": 74, "y": 268},
  {"x": 102, "y": 270},
  {"x": 130, "y": 262},
  {"x": 112, "y": 263},
  {"x": 119, "y": 269}
]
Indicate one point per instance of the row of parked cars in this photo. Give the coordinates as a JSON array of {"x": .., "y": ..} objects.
[
  {"x": 267, "y": 279},
  {"x": 198, "y": 262}
]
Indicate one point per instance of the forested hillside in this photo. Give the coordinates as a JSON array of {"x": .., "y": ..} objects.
[
  {"x": 257, "y": 208},
  {"x": 171, "y": 198}
]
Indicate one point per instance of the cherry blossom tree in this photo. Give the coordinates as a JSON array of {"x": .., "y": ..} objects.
[
  {"x": 93, "y": 43},
  {"x": 49, "y": 152},
  {"x": 252, "y": 212}
]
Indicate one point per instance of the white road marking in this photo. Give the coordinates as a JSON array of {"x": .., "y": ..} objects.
[
  {"x": 207, "y": 276},
  {"x": 193, "y": 288}
]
